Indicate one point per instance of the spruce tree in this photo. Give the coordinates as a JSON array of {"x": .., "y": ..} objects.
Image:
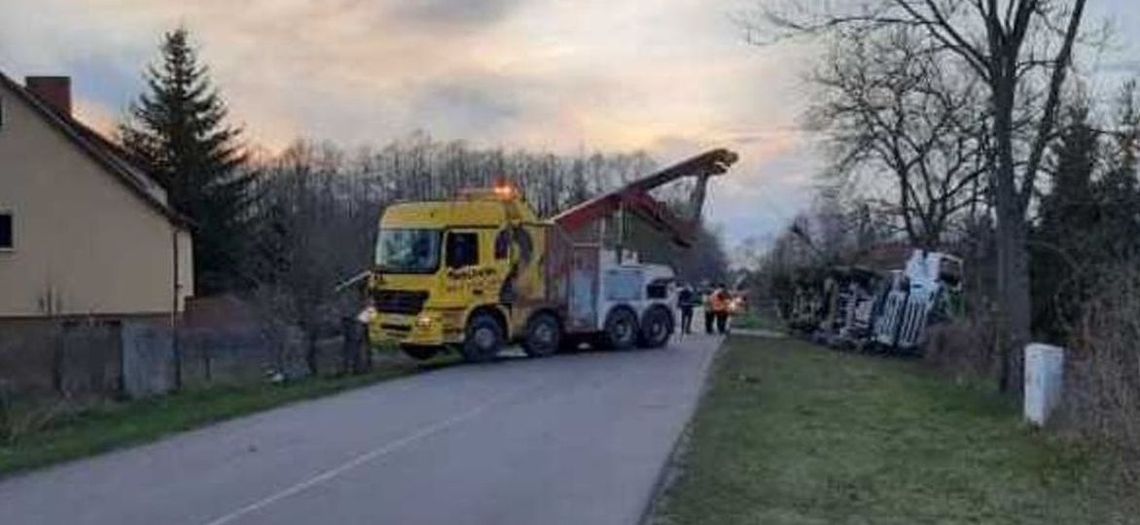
[
  {"x": 177, "y": 128},
  {"x": 1068, "y": 231},
  {"x": 1118, "y": 192}
]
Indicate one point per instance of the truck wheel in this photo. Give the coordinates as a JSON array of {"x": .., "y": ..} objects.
[
  {"x": 543, "y": 335},
  {"x": 418, "y": 352},
  {"x": 483, "y": 340},
  {"x": 621, "y": 329},
  {"x": 656, "y": 328}
]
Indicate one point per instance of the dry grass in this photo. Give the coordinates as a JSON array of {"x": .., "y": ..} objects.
[{"x": 21, "y": 417}]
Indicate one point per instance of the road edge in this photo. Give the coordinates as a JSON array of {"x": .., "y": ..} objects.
[{"x": 670, "y": 469}]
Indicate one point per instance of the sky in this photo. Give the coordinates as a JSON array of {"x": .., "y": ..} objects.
[{"x": 672, "y": 77}]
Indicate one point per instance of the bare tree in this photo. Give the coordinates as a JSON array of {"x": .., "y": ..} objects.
[
  {"x": 1021, "y": 50},
  {"x": 316, "y": 228},
  {"x": 892, "y": 113}
]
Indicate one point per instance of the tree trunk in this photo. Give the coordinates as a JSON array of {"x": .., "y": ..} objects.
[
  {"x": 1012, "y": 231},
  {"x": 1013, "y": 289}
]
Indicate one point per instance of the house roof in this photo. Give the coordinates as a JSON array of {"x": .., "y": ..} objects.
[{"x": 114, "y": 159}]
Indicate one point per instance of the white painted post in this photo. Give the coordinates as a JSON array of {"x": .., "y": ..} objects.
[{"x": 1044, "y": 376}]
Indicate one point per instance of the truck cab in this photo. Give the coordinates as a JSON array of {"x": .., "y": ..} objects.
[{"x": 441, "y": 265}]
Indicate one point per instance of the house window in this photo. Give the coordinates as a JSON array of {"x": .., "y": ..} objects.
[
  {"x": 6, "y": 233},
  {"x": 462, "y": 249}
]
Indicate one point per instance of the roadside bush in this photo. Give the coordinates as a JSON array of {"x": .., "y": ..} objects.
[
  {"x": 1103, "y": 377},
  {"x": 964, "y": 348},
  {"x": 20, "y": 417}
]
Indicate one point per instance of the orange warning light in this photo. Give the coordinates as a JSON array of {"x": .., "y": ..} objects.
[{"x": 504, "y": 190}]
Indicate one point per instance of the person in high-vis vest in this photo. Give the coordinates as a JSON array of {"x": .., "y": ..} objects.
[{"x": 719, "y": 301}]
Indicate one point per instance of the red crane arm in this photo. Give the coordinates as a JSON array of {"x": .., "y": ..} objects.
[
  {"x": 634, "y": 197},
  {"x": 710, "y": 163}
]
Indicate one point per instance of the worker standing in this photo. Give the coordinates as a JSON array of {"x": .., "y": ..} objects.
[
  {"x": 719, "y": 302},
  {"x": 707, "y": 306},
  {"x": 686, "y": 300}
]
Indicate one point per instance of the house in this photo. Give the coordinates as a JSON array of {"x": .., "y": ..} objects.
[{"x": 84, "y": 232}]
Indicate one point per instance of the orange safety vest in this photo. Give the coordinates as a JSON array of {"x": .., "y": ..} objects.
[{"x": 719, "y": 301}]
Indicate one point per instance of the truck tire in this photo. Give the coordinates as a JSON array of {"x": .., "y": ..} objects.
[
  {"x": 419, "y": 352},
  {"x": 656, "y": 328},
  {"x": 621, "y": 329},
  {"x": 483, "y": 339},
  {"x": 543, "y": 335}
]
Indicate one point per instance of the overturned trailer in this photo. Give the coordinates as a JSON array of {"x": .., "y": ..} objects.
[{"x": 860, "y": 308}]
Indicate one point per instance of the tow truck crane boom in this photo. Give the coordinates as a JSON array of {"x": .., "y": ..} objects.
[{"x": 634, "y": 197}]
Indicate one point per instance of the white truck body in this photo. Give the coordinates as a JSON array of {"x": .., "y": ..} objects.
[
  {"x": 914, "y": 293},
  {"x": 632, "y": 284}
]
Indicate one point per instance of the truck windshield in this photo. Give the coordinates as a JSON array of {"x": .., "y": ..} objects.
[{"x": 408, "y": 250}]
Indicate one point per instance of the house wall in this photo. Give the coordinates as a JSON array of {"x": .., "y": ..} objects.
[
  {"x": 185, "y": 268},
  {"x": 84, "y": 242}
]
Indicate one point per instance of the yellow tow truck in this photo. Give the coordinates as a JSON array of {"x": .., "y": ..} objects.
[{"x": 483, "y": 270}]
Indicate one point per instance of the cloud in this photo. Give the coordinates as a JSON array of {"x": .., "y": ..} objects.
[
  {"x": 672, "y": 79},
  {"x": 466, "y": 107},
  {"x": 465, "y": 14}
]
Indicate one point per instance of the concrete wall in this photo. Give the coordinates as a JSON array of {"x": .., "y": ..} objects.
[
  {"x": 84, "y": 242},
  {"x": 68, "y": 357},
  {"x": 141, "y": 356},
  {"x": 27, "y": 355},
  {"x": 148, "y": 359}
]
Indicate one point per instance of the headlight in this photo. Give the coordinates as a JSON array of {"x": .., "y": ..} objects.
[
  {"x": 366, "y": 315},
  {"x": 424, "y": 321}
]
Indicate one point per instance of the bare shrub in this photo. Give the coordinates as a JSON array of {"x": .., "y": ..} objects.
[
  {"x": 1103, "y": 376},
  {"x": 964, "y": 348},
  {"x": 23, "y": 416}
]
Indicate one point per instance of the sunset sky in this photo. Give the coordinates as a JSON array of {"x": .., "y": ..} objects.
[{"x": 669, "y": 76}]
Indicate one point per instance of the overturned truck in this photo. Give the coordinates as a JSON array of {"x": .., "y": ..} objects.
[{"x": 860, "y": 308}]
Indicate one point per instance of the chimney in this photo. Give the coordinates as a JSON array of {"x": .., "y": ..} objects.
[{"x": 53, "y": 91}]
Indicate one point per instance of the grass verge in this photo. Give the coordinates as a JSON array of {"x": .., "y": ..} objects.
[
  {"x": 115, "y": 425},
  {"x": 790, "y": 433},
  {"x": 753, "y": 320}
]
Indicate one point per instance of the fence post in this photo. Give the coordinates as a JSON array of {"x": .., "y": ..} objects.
[
  {"x": 206, "y": 362},
  {"x": 57, "y": 354},
  {"x": 176, "y": 347}
]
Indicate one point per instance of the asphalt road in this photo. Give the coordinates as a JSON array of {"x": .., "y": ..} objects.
[{"x": 572, "y": 439}]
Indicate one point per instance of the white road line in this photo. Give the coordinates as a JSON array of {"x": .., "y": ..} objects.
[{"x": 366, "y": 457}]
